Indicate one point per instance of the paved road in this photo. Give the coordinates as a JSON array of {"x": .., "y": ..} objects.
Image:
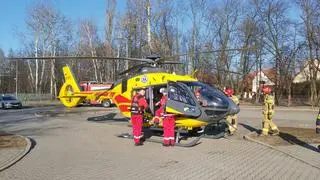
[{"x": 71, "y": 147}]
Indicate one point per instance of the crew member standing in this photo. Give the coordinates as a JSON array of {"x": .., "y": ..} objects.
[
  {"x": 138, "y": 106},
  {"x": 268, "y": 111},
  {"x": 168, "y": 120},
  {"x": 318, "y": 123},
  {"x": 160, "y": 111},
  {"x": 318, "y": 126},
  {"x": 232, "y": 119}
]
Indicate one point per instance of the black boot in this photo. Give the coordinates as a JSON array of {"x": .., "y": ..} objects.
[
  {"x": 138, "y": 144},
  {"x": 166, "y": 145}
]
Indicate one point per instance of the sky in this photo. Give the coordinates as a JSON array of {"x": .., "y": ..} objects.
[{"x": 13, "y": 15}]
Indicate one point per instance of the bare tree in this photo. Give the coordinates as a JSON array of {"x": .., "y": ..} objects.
[
  {"x": 135, "y": 29},
  {"x": 89, "y": 42},
  {"x": 163, "y": 29},
  {"x": 224, "y": 18},
  {"x": 311, "y": 20},
  {"x": 272, "y": 14},
  {"x": 2, "y": 65},
  {"x": 197, "y": 15},
  {"x": 249, "y": 33},
  {"x": 48, "y": 29},
  {"x": 110, "y": 16}
]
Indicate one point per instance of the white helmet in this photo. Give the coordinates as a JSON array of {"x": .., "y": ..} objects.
[{"x": 163, "y": 90}]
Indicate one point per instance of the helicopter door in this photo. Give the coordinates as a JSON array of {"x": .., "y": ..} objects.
[{"x": 181, "y": 101}]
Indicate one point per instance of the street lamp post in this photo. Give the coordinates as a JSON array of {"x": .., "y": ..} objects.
[{"x": 16, "y": 79}]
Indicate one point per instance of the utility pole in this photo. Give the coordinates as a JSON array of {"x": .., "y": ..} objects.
[
  {"x": 149, "y": 25},
  {"x": 127, "y": 54},
  {"x": 16, "y": 78},
  {"x": 118, "y": 55}
]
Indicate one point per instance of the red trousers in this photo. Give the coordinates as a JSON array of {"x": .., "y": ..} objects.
[
  {"x": 137, "y": 121},
  {"x": 168, "y": 130}
]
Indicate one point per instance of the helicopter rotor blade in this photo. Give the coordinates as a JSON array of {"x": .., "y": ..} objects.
[
  {"x": 227, "y": 71},
  {"x": 170, "y": 62},
  {"x": 81, "y": 57},
  {"x": 207, "y": 52},
  {"x": 133, "y": 68}
]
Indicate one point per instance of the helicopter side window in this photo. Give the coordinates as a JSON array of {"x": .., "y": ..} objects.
[{"x": 178, "y": 94}]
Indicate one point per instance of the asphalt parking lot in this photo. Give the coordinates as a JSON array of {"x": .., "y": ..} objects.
[{"x": 81, "y": 144}]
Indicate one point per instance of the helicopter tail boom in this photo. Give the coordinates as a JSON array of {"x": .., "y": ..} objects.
[
  {"x": 69, "y": 78},
  {"x": 69, "y": 88}
]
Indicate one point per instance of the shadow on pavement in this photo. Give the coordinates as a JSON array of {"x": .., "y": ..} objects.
[
  {"x": 250, "y": 128},
  {"x": 106, "y": 118},
  {"x": 286, "y": 137},
  {"x": 295, "y": 141}
]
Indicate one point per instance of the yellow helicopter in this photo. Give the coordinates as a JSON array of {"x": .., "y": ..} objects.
[{"x": 192, "y": 118}]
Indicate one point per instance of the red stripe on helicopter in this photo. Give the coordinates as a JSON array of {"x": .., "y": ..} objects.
[
  {"x": 121, "y": 99},
  {"x": 124, "y": 108},
  {"x": 85, "y": 92}
]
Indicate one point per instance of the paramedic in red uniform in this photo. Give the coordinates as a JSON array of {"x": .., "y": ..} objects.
[
  {"x": 138, "y": 106},
  {"x": 168, "y": 121},
  {"x": 160, "y": 112}
]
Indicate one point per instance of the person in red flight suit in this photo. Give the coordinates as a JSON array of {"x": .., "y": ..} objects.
[
  {"x": 168, "y": 130},
  {"x": 168, "y": 121},
  {"x": 160, "y": 111},
  {"x": 138, "y": 106}
]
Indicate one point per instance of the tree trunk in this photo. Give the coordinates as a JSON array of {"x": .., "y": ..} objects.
[
  {"x": 289, "y": 95},
  {"x": 37, "y": 66},
  {"x": 53, "y": 83}
]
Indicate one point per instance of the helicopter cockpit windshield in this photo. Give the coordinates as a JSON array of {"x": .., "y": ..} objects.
[{"x": 211, "y": 97}]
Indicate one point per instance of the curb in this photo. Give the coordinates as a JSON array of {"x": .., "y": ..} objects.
[
  {"x": 280, "y": 109},
  {"x": 11, "y": 161},
  {"x": 247, "y": 137},
  {"x": 62, "y": 113}
]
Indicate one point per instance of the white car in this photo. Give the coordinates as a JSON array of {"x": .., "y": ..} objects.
[{"x": 7, "y": 102}]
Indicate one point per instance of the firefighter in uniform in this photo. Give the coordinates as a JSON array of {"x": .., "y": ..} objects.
[
  {"x": 138, "y": 106},
  {"x": 232, "y": 119},
  {"x": 318, "y": 123},
  {"x": 318, "y": 126},
  {"x": 268, "y": 111}
]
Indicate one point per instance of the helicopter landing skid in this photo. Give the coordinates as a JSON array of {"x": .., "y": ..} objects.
[{"x": 179, "y": 139}]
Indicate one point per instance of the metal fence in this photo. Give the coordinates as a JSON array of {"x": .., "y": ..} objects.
[{"x": 41, "y": 80}]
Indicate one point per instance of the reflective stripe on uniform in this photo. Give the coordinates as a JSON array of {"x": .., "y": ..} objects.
[
  {"x": 137, "y": 137},
  {"x": 168, "y": 138}
]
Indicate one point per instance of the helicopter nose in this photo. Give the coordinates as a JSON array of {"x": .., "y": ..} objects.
[{"x": 233, "y": 108}]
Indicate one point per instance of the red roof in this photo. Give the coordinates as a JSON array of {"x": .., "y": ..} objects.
[{"x": 270, "y": 73}]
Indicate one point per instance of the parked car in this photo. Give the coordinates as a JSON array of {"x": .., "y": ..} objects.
[{"x": 8, "y": 101}]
